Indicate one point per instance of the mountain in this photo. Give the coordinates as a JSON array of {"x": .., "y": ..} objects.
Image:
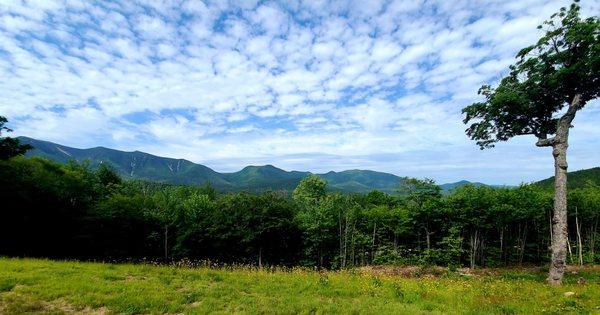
[
  {"x": 576, "y": 179},
  {"x": 130, "y": 164},
  {"x": 140, "y": 165},
  {"x": 264, "y": 177},
  {"x": 449, "y": 186},
  {"x": 362, "y": 180}
]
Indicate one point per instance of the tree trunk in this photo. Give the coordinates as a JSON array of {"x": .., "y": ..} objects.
[
  {"x": 592, "y": 238},
  {"x": 559, "y": 144},
  {"x": 353, "y": 253},
  {"x": 502, "y": 244},
  {"x": 345, "y": 242},
  {"x": 523, "y": 239},
  {"x": 482, "y": 252},
  {"x": 428, "y": 240},
  {"x": 341, "y": 241},
  {"x": 320, "y": 259},
  {"x": 579, "y": 243},
  {"x": 260, "y": 257},
  {"x": 166, "y": 242},
  {"x": 569, "y": 249},
  {"x": 373, "y": 242},
  {"x": 559, "y": 219},
  {"x": 474, "y": 241}
]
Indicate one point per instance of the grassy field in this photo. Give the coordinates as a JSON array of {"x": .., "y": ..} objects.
[{"x": 44, "y": 286}]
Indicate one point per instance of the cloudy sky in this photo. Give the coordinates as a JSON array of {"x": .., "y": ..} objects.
[{"x": 315, "y": 85}]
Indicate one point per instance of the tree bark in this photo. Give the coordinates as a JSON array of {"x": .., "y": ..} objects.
[
  {"x": 560, "y": 143},
  {"x": 523, "y": 243},
  {"x": 166, "y": 242},
  {"x": 353, "y": 252},
  {"x": 428, "y": 240},
  {"x": 474, "y": 242},
  {"x": 345, "y": 242},
  {"x": 592, "y": 237},
  {"x": 502, "y": 244},
  {"x": 559, "y": 219},
  {"x": 570, "y": 250},
  {"x": 341, "y": 241},
  {"x": 373, "y": 242},
  {"x": 579, "y": 243}
]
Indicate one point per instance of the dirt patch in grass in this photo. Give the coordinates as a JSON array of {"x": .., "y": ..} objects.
[
  {"x": 64, "y": 307},
  {"x": 404, "y": 271},
  {"x": 19, "y": 304}
]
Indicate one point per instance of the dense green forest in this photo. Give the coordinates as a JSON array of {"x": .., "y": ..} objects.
[{"x": 74, "y": 210}]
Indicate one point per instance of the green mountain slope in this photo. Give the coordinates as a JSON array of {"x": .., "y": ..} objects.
[
  {"x": 576, "y": 179},
  {"x": 449, "y": 186},
  {"x": 257, "y": 178},
  {"x": 362, "y": 180},
  {"x": 135, "y": 164},
  {"x": 140, "y": 165}
]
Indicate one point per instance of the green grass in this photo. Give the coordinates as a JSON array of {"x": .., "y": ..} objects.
[{"x": 44, "y": 286}]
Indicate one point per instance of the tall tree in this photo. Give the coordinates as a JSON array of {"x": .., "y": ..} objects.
[
  {"x": 550, "y": 82},
  {"x": 316, "y": 218},
  {"x": 10, "y": 147},
  {"x": 421, "y": 198}
]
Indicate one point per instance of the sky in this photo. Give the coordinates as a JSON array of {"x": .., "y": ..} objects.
[{"x": 303, "y": 85}]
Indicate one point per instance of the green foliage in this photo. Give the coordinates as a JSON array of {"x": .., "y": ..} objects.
[
  {"x": 316, "y": 218},
  {"x": 311, "y": 189},
  {"x": 107, "y": 175},
  {"x": 10, "y": 147},
  {"x": 74, "y": 210},
  {"x": 450, "y": 249},
  {"x": 565, "y": 62}
]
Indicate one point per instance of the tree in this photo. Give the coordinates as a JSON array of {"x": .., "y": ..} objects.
[
  {"x": 10, "y": 147},
  {"x": 316, "y": 218},
  {"x": 166, "y": 209},
  {"x": 472, "y": 206},
  {"x": 107, "y": 175},
  {"x": 422, "y": 197},
  {"x": 311, "y": 188},
  {"x": 561, "y": 71}
]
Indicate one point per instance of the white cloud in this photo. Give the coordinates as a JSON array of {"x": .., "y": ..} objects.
[{"x": 274, "y": 82}]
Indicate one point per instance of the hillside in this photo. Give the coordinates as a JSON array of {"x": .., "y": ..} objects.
[
  {"x": 141, "y": 165},
  {"x": 449, "y": 186},
  {"x": 576, "y": 179}
]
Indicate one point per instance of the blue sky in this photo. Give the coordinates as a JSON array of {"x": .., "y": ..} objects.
[{"x": 314, "y": 85}]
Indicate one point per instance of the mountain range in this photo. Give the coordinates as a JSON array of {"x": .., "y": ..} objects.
[{"x": 141, "y": 165}]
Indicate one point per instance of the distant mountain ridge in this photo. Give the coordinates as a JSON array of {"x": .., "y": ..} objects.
[
  {"x": 450, "y": 186},
  {"x": 576, "y": 179},
  {"x": 141, "y": 165}
]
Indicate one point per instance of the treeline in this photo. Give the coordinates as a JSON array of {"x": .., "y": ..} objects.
[{"x": 76, "y": 211}]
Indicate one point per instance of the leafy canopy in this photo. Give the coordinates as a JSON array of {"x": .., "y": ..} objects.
[
  {"x": 547, "y": 76},
  {"x": 10, "y": 147},
  {"x": 311, "y": 188}
]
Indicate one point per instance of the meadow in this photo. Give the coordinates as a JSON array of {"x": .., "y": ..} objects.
[{"x": 56, "y": 287}]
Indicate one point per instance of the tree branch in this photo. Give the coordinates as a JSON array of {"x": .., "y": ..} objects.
[
  {"x": 564, "y": 123},
  {"x": 545, "y": 142}
]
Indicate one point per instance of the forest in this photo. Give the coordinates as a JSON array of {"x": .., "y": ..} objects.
[{"x": 77, "y": 211}]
